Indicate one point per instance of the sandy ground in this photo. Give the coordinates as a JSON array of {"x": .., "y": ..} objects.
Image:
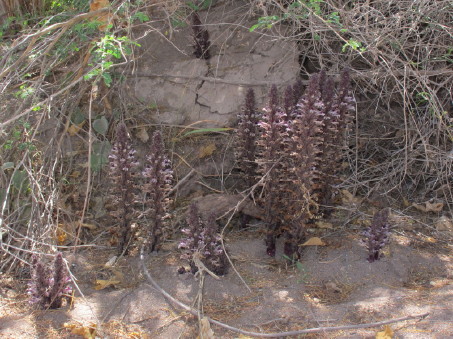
[{"x": 333, "y": 286}]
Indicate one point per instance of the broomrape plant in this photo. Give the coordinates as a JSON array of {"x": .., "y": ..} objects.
[{"x": 49, "y": 285}]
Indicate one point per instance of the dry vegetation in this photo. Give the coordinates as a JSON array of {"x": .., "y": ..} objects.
[{"x": 56, "y": 81}]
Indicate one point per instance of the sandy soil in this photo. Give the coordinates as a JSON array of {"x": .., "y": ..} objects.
[{"x": 333, "y": 286}]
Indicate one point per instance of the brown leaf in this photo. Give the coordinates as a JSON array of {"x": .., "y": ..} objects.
[
  {"x": 142, "y": 134},
  {"x": 315, "y": 241},
  {"x": 387, "y": 333},
  {"x": 101, "y": 284},
  {"x": 206, "y": 151},
  {"x": 105, "y": 19},
  {"x": 205, "y": 329},
  {"x": 74, "y": 129},
  {"x": 429, "y": 207},
  {"x": 87, "y": 332}
]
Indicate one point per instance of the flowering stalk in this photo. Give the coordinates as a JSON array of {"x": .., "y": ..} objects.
[
  {"x": 123, "y": 175},
  {"x": 246, "y": 135},
  {"x": 203, "y": 238},
  {"x": 377, "y": 235},
  {"x": 158, "y": 178},
  {"x": 273, "y": 127},
  {"x": 48, "y": 287},
  {"x": 201, "y": 38},
  {"x": 304, "y": 149}
]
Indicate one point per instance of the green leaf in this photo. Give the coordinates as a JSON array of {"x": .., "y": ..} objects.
[
  {"x": 101, "y": 125},
  {"x": 107, "y": 79},
  {"x": 7, "y": 165},
  {"x": 20, "y": 180},
  {"x": 207, "y": 130},
  {"x": 100, "y": 155},
  {"x": 142, "y": 17}
]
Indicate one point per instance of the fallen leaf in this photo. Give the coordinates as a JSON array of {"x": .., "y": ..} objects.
[
  {"x": 87, "y": 332},
  {"x": 387, "y": 333},
  {"x": 315, "y": 241},
  {"x": 348, "y": 198},
  {"x": 74, "y": 129},
  {"x": 206, "y": 151},
  {"x": 429, "y": 207},
  {"x": 101, "y": 284},
  {"x": 323, "y": 224},
  {"x": 142, "y": 134},
  {"x": 205, "y": 329},
  {"x": 444, "y": 224}
]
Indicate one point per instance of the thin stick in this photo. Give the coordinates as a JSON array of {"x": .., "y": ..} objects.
[{"x": 270, "y": 335}]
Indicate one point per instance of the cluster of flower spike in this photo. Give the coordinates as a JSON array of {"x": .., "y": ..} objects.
[
  {"x": 377, "y": 235},
  {"x": 202, "y": 237},
  {"x": 299, "y": 144},
  {"x": 125, "y": 177},
  {"x": 49, "y": 286}
]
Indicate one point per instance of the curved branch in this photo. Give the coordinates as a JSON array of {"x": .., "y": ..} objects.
[{"x": 270, "y": 335}]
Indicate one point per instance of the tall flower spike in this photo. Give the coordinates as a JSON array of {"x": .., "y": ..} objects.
[
  {"x": 246, "y": 138},
  {"x": 123, "y": 175},
  {"x": 331, "y": 151},
  {"x": 346, "y": 104},
  {"x": 304, "y": 148},
  {"x": 377, "y": 235},
  {"x": 158, "y": 179},
  {"x": 201, "y": 38},
  {"x": 272, "y": 128}
]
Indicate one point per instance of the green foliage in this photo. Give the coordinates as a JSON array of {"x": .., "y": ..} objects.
[
  {"x": 107, "y": 48},
  {"x": 20, "y": 138},
  {"x": 100, "y": 155},
  {"x": 354, "y": 45},
  {"x": 24, "y": 91},
  {"x": 205, "y": 4},
  {"x": 101, "y": 125},
  {"x": 140, "y": 16},
  {"x": 297, "y": 10}
]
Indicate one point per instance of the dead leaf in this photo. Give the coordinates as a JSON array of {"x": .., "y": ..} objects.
[
  {"x": 142, "y": 134},
  {"x": 444, "y": 224},
  {"x": 205, "y": 329},
  {"x": 206, "y": 151},
  {"x": 429, "y": 207},
  {"x": 323, "y": 224},
  {"x": 74, "y": 129},
  {"x": 87, "y": 332},
  {"x": 387, "y": 333},
  {"x": 101, "y": 284},
  {"x": 315, "y": 241},
  {"x": 89, "y": 226},
  {"x": 105, "y": 19},
  {"x": 348, "y": 198}
]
